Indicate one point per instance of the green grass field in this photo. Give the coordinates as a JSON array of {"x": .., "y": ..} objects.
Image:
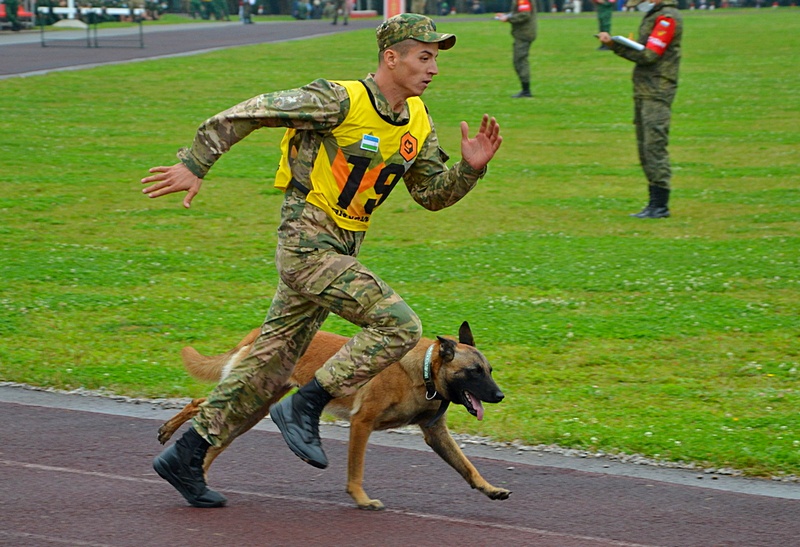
[{"x": 674, "y": 339}]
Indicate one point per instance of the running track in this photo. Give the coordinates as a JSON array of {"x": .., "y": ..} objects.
[{"x": 75, "y": 470}]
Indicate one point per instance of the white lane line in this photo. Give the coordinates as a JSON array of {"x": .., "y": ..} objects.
[{"x": 51, "y": 539}]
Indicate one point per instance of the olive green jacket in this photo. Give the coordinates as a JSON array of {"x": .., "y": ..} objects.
[{"x": 655, "y": 76}]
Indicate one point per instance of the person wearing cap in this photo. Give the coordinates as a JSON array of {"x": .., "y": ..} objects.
[
  {"x": 655, "y": 82},
  {"x": 523, "y": 30},
  {"x": 347, "y": 145}
]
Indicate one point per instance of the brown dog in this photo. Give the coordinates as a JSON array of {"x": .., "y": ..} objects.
[{"x": 415, "y": 390}]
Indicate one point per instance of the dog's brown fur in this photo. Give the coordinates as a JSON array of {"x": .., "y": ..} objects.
[{"x": 394, "y": 398}]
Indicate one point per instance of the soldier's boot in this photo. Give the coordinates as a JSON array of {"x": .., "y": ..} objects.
[
  {"x": 297, "y": 416},
  {"x": 181, "y": 465},
  {"x": 525, "y": 93},
  {"x": 646, "y": 210},
  {"x": 658, "y": 205}
]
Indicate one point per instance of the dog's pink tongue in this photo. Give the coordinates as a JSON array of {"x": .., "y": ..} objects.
[{"x": 477, "y": 405}]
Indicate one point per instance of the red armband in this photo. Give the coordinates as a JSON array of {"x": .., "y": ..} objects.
[
  {"x": 523, "y": 5},
  {"x": 663, "y": 32}
]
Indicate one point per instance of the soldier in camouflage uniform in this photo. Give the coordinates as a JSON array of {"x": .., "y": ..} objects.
[
  {"x": 655, "y": 81},
  {"x": 12, "y": 6},
  {"x": 605, "y": 9},
  {"x": 523, "y": 30},
  {"x": 345, "y": 6},
  {"x": 346, "y": 147}
]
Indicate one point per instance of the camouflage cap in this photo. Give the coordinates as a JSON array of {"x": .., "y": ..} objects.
[{"x": 412, "y": 25}]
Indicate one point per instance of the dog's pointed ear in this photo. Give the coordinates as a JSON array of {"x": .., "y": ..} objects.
[
  {"x": 447, "y": 349},
  {"x": 465, "y": 335}
]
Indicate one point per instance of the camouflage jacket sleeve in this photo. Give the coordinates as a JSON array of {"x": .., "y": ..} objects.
[
  {"x": 318, "y": 105},
  {"x": 644, "y": 57},
  {"x": 520, "y": 17},
  {"x": 432, "y": 184}
]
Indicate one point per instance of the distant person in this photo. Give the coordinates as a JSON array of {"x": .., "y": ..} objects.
[
  {"x": 12, "y": 8},
  {"x": 196, "y": 9},
  {"x": 605, "y": 9},
  {"x": 655, "y": 82},
  {"x": 248, "y": 6},
  {"x": 344, "y": 6},
  {"x": 418, "y": 6},
  {"x": 523, "y": 30},
  {"x": 346, "y": 147}
]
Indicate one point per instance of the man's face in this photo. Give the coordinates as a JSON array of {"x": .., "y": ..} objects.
[{"x": 416, "y": 68}]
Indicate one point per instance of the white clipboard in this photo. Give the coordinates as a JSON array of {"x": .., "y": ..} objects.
[{"x": 628, "y": 43}]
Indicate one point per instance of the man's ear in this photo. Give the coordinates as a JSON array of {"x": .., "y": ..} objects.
[{"x": 390, "y": 57}]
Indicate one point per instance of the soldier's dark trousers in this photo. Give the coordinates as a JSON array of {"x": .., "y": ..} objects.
[
  {"x": 522, "y": 66},
  {"x": 604, "y": 13},
  {"x": 652, "y": 118}
]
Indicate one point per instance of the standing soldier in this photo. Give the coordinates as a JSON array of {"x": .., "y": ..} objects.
[
  {"x": 655, "y": 81},
  {"x": 12, "y": 6},
  {"x": 523, "y": 30},
  {"x": 605, "y": 9},
  {"x": 347, "y": 145},
  {"x": 343, "y": 5}
]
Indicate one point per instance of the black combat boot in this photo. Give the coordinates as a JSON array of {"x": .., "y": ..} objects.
[
  {"x": 525, "y": 93},
  {"x": 181, "y": 465},
  {"x": 297, "y": 416},
  {"x": 657, "y": 208},
  {"x": 646, "y": 210}
]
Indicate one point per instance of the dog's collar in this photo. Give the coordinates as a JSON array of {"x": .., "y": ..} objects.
[
  {"x": 430, "y": 388},
  {"x": 427, "y": 375}
]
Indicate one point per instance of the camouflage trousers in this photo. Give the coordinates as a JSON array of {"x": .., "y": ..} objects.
[
  {"x": 604, "y": 13},
  {"x": 651, "y": 118},
  {"x": 522, "y": 49},
  {"x": 316, "y": 278}
]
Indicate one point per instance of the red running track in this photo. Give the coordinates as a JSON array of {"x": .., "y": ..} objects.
[{"x": 81, "y": 475}]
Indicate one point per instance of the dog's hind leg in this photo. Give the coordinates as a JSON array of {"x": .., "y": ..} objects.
[
  {"x": 439, "y": 439},
  {"x": 169, "y": 427},
  {"x": 214, "y": 451}
]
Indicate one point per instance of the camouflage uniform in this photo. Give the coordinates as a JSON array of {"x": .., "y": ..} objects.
[
  {"x": 523, "y": 30},
  {"x": 605, "y": 9},
  {"x": 11, "y": 14},
  {"x": 345, "y": 6},
  {"x": 316, "y": 259},
  {"x": 655, "y": 82}
]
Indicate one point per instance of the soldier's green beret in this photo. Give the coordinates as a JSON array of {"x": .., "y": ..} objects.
[{"x": 412, "y": 25}]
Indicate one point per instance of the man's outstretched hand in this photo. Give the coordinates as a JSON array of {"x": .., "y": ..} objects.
[
  {"x": 175, "y": 178},
  {"x": 479, "y": 150}
]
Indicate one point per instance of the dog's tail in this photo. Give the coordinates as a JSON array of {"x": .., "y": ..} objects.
[{"x": 213, "y": 368}]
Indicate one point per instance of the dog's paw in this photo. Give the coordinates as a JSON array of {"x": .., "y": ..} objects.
[
  {"x": 164, "y": 434},
  {"x": 372, "y": 505},
  {"x": 497, "y": 493}
]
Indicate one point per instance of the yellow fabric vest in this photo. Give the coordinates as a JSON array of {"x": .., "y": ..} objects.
[{"x": 360, "y": 161}]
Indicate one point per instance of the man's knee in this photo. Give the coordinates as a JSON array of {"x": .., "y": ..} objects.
[{"x": 399, "y": 323}]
